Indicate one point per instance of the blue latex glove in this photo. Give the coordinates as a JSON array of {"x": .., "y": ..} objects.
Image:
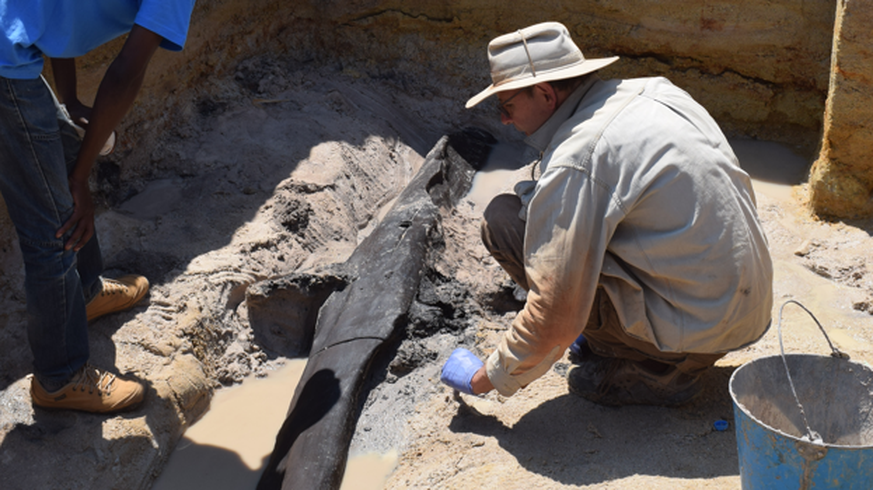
[{"x": 458, "y": 371}]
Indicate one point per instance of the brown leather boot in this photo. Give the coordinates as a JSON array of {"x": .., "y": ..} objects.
[
  {"x": 91, "y": 390},
  {"x": 616, "y": 382},
  {"x": 117, "y": 295}
]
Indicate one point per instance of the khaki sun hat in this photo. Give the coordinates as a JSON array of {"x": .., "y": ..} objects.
[{"x": 539, "y": 53}]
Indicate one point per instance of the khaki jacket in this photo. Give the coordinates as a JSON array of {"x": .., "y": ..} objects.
[{"x": 640, "y": 193}]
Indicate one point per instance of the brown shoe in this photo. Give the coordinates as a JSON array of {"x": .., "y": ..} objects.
[
  {"x": 91, "y": 390},
  {"x": 117, "y": 295},
  {"x": 616, "y": 382}
]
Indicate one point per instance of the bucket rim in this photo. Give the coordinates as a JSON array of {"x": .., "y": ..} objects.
[{"x": 740, "y": 406}]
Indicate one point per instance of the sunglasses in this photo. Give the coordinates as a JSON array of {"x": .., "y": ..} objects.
[{"x": 502, "y": 109}]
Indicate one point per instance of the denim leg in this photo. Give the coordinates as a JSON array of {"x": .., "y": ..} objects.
[
  {"x": 89, "y": 258},
  {"x": 90, "y": 266},
  {"x": 33, "y": 182}
]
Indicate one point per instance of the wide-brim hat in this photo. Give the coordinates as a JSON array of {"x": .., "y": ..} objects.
[{"x": 539, "y": 53}]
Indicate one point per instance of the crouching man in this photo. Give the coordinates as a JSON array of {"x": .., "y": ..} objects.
[{"x": 639, "y": 244}]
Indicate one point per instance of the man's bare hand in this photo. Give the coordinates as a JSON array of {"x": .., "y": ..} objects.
[
  {"x": 79, "y": 113},
  {"x": 480, "y": 383},
  {"x": 82, "y": 220}
]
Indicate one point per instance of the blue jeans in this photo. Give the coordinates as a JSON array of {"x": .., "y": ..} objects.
[{"x": 36, "y": 153}]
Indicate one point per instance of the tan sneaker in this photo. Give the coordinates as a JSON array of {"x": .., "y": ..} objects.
[
  {"x": 91, "y": 390},
  {"x": 117, "y": 295}
]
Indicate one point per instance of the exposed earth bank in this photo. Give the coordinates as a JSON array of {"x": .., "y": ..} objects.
[
  {"x": 282, "y": 165},
  {"x": 291, "y": 178}
]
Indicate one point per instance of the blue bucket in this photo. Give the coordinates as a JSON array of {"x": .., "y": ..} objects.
[{"x": 804, "y": 422}]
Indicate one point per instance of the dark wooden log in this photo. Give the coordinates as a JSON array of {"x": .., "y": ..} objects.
[{"x": 362, "y": 321}]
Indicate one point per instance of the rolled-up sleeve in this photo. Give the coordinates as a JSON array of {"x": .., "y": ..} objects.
[{"x": 565, "y": 244}]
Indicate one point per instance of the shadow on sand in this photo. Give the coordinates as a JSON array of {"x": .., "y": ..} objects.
[{"x": 564, "y": 438}]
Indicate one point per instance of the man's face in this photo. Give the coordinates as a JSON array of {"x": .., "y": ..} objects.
[{"x": 526, "y": 108}]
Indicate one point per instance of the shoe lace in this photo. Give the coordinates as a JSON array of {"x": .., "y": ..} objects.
[
  {"x": 92, "y": 378},
  {"x": 112, "y": 287}
]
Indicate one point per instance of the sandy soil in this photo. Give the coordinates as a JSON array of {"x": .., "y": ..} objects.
[
  {"x": 286, "y": 168},
  {"x": 544, "y": 437}
]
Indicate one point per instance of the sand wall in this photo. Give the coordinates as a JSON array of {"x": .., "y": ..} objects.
[
  {"x": 761, "y": 68},
  {"x": 841, "y": 180}
]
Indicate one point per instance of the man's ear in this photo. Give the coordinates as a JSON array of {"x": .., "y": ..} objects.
[{"x": 548, "y": 94}]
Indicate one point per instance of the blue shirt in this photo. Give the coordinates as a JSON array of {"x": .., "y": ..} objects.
[{"x": 71, "y": 28}]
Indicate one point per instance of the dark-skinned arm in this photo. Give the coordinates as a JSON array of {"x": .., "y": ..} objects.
[
  {"x": 64, "y": 72},
  {"x": 115, "y": 96}
]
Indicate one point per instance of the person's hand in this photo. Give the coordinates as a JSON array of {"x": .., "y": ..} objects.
[
  {"x": 79, "y": 113},
  {"x": 459, "y": 369},
  {"x": 82, "y": 220}
]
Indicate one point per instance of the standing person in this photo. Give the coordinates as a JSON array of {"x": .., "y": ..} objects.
[
  {"x": 44, "y": 171},
  {"x": 641, "y": 233}
]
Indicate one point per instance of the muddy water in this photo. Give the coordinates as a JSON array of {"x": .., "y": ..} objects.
[
  {"x": 774, "y": 168},
  {"x": 228, "y": 448},
  {"x": 498, "y": 173}
]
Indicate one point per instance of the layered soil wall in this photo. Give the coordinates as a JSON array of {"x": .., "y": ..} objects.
[
  {"x": 761, "y": 68},
  {"x": 841, "y": 181}
]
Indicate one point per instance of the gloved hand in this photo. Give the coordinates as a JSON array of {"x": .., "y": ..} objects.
[{"x": 458, "y": 371}]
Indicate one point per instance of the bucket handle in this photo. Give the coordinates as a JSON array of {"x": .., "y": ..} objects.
[{"x": 813, "y": 436}]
